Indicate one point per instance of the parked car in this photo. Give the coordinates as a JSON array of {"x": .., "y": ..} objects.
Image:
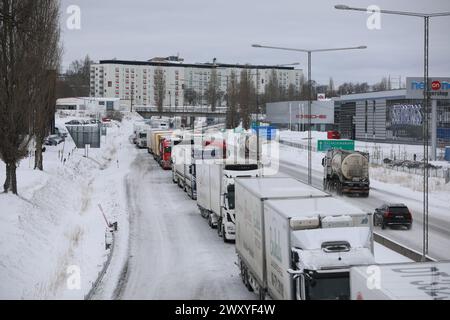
[
  {"x": 53, "y": 140},
  {"x": 392, "y": 215},
  {"x": 74, "y": 122}
]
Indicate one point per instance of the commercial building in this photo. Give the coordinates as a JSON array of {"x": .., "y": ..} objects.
[
  {"x": 133, "y": 82},
  {"x": 88, "y": 104},
  {"x": 395, "y": 115},
  {"x": 294, "y": 115}
]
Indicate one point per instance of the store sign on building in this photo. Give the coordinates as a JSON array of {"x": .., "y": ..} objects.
[{"x": 439, "y": 88}]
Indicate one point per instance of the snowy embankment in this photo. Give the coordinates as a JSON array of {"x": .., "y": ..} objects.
[{"x": 52, "y": 236}]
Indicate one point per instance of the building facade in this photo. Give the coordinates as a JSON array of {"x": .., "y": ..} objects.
[
  {"x": 133, "y": 82},
  {"x": 294, "y": 115},
  {"x": 389, "y": 116}
]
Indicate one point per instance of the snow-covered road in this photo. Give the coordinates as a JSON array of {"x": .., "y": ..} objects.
[
  {"x": 173, "y": 254},
  {"x": 439, "y": 228}
]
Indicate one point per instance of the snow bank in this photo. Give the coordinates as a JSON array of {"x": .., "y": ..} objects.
[{"x": 53, "y": 233}]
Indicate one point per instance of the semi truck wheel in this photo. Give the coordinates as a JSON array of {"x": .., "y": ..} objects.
[
  {"x": 219, "y": 228},
  {"x": 261, "y": 294},
  {"x": 224, "y": 235}
]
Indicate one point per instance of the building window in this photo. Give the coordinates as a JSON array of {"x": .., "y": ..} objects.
[{"x": 366, "y": 114}]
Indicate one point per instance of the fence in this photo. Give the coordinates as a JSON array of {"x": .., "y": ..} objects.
[
  {"x": 297, "y": 145},
  {"x": 102, "y": 272},
  {"x": 377, "y": 156}
]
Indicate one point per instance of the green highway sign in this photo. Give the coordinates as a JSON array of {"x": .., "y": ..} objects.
[{"x": 324, "y": 145}]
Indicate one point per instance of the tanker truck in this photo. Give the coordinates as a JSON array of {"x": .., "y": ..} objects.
[{"x": 347, "y": 172}]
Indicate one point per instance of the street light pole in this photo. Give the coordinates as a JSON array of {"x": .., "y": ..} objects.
[
  {"x": 426, "y": 106},
  {"x": 309, "y": 52}
]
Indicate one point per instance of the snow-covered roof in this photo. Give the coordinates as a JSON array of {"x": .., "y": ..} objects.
[
  {"x": 66, "y": 101},
  {"x": 317, "y": 259},
  {"x": 389, "y": 94},
  {"x": 357, "y": 237},
  {"x": 328, "y": 206},
  {"x": 279, "y": 187}
]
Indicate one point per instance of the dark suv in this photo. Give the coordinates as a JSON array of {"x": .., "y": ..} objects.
[{"x": 392, "y": 215}]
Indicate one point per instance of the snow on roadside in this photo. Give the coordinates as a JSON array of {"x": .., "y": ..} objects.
[
  {"x": 385, "y": 255},
  {"x": 397, "y": 184},
  {"x": 54, "y": 227}
]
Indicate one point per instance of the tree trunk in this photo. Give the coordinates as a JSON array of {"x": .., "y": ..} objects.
[
  {"x": 7, "y": 180},
  {"x": 11, "y": 179},
  {"x": 38, "y": 158}
]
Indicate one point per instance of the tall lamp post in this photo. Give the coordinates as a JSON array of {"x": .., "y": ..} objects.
[
  {"x": 426, "y": 104},
  {"x": 309, "y": 52}
]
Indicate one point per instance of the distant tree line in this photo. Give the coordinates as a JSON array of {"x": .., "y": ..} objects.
[
  {"x": 29, "y": 59},
  {"x": 74, "y": 82}
]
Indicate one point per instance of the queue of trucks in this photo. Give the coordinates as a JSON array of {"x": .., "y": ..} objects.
[{"x": 293, "y": 241}]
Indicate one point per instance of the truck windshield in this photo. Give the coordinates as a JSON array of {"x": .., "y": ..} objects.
[
  {"x": 230, "y": 196},
  {"x": 328, "y": 286},
  {"x": 167, "y": 150},
  {"x": 142, "y": 135}
]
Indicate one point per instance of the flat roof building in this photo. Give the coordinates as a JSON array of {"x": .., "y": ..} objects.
[{"x": 390, "y": 116}]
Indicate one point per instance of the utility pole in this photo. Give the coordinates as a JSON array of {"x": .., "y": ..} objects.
[
  {"x": 426, "y": 106},
  {"x": 309, "y": 52}
]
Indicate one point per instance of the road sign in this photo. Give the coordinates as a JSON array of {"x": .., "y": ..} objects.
[
  {"x": 266, "y": 131},
  {"x": 439, "y": 88},
  {"x": 324, "y": 145}
]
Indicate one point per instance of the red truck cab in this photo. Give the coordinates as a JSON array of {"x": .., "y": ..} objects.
[
  {"x": 165, "y": 151},
  {"x": 219, "y": 144}
]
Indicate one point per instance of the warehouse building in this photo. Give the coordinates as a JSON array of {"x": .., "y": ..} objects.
[{"x": 395, "y": 115}]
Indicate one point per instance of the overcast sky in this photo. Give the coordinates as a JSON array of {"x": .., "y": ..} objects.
[{"x": 199, "y": 30}]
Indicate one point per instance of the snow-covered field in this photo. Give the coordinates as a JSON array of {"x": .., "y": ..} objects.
[{"x": 53, "y": 233}]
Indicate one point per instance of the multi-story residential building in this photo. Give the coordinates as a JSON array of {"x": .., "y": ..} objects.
[{"x": 133, "y": 82}]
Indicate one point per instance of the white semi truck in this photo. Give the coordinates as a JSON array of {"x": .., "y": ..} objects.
[
  {"x": 294, "y": 241},
  {"x": 403, "y": 281},
  {"x": 216, "y": 192},
  {"x": 141, "y": 136}
]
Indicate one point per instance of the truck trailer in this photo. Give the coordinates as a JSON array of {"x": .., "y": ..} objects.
[
  {"x": 216, "y": 192},
  {"x": 155, "y": 138},
  {"x": 347, "y": 172},
  {"x": 403, "y": 281},
  {"x": 295, "y": 242}
]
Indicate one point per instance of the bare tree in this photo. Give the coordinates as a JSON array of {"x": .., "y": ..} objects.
[
  {"x": 247, "y": 97},
  {"x": 331, "y": 92},
  {"x": 47, "y": 57},
  {"x": 160, "y": 88},
  {"x": 213, "y": 93},
  {"x": 191, "y": 96},
  {"x": 22, "y": 27},
  {"x": 232, "y": 97},
  {"x": 272, "y": 89},
  {"x": 77, "y": 77}
]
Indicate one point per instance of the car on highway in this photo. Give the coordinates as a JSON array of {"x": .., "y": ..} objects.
[{"x": 392, "y": 214}]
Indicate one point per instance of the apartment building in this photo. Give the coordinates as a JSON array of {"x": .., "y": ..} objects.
[{"x": 133, "y": 82}]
